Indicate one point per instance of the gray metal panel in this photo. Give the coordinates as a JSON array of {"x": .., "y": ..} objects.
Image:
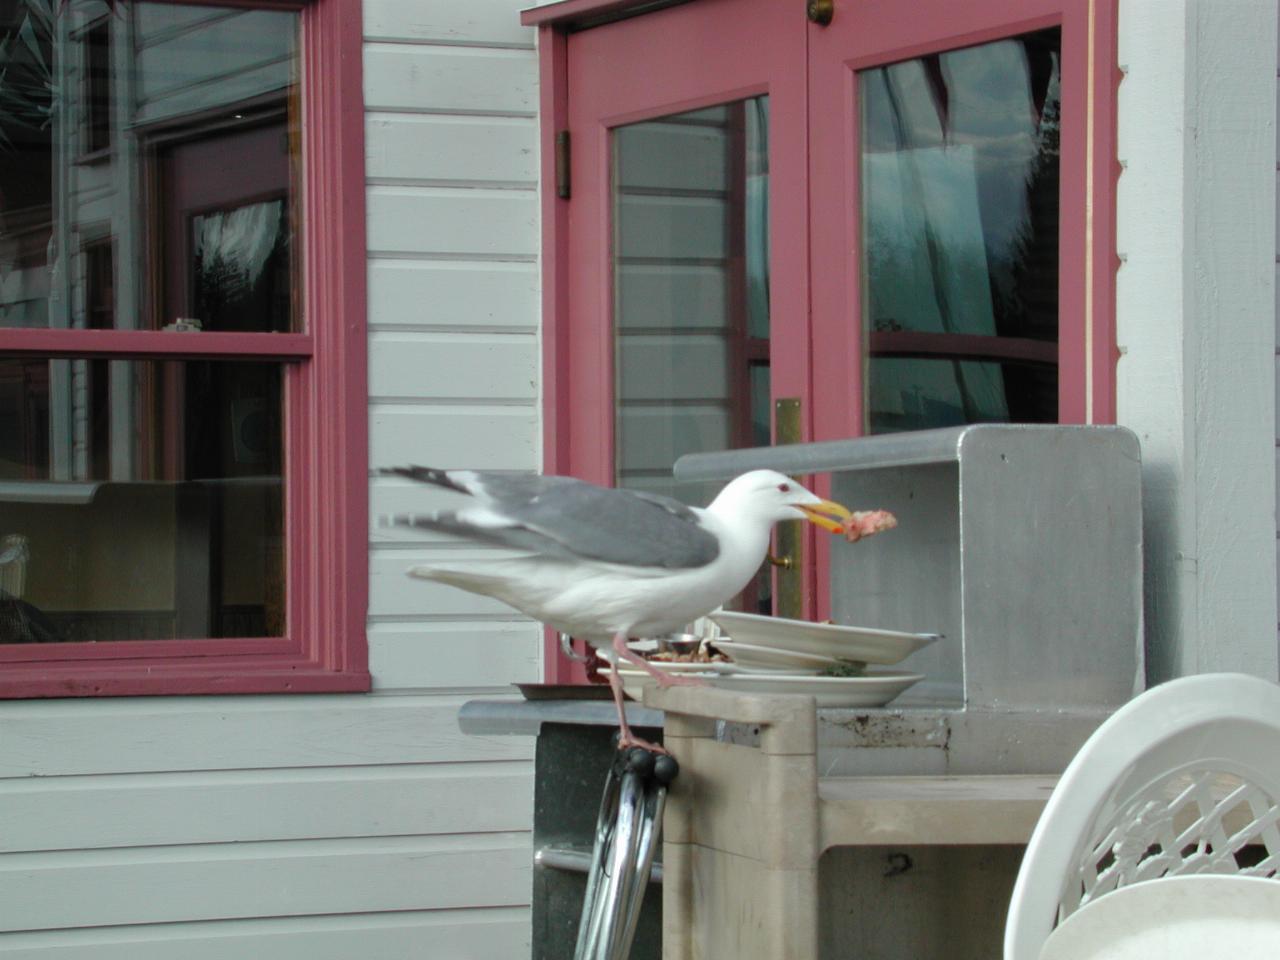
[
  {"x": 909, "y": 579},
  {"x": 1051, "y": 547},
  {"x": 888, "y": 450},
  {"x": 504, "y": 717},
  {"x": 1021, "y": 543}
]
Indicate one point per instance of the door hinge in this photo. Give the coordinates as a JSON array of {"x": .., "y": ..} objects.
[{"x": 562, "y": 164}]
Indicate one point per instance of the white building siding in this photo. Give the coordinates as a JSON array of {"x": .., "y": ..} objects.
[
  {"x": 340, "y": 826},
  {"x": 1195, "y": 304}
]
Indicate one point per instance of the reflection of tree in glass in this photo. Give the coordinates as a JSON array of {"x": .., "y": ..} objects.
[
  {"x": 26, "y": 69},
  {"x": 961, "y": 183},
  {"x": 240, "y": 261},
  {"x": 1027, "y": 304}
]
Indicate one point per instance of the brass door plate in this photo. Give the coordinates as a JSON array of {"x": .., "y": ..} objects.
[{"x": 789, "y": 570}]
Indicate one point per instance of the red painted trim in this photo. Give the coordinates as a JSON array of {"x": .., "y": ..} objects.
[
  {"x": 156, "y": 343},
  {"x": 330, "y": 443},
  {"x": 156, "y": 651},
  {"x": 553, "y": 110},
  {"x": 326, "y": 442}
]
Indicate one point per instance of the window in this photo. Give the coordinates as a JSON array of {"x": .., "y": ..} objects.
[
  {"x": 182, "y": 388},
  {"x": 96, "y": 98},
  {"x": 778, "y": 230}
]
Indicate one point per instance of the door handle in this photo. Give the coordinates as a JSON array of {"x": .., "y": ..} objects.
[{"x": 820, "y": 11}]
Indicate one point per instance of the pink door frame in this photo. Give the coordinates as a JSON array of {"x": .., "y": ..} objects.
[{"x": 708, "y": 51}]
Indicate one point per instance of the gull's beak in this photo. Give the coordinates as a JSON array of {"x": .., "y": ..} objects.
[{"x": 827, "y": 514}]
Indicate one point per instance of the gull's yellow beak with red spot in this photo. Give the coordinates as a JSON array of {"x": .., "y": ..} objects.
[{"x": 826, "y": 514}]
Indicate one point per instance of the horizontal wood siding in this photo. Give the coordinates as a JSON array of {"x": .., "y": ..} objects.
[
  {"x": 331, "y": 827},
  {"x": 451, "y": 157},
  {"x": 455, "y": 934}
]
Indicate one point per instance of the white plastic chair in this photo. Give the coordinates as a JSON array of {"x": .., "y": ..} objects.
[{"x": 1179, "y": 781}]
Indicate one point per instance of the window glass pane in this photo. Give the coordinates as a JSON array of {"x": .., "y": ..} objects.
[
  {"x": 691, "y": 284},
  {"x": 960, "y": 176},
  {"x": 140, "y": 500},
  {"x": 164, "y": 133}
]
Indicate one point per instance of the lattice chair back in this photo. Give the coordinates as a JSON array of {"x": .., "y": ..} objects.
[{"x": 1184, "y": 779}]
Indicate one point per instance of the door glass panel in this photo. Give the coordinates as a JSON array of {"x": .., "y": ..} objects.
[
  {"x": 959, "y": 176},
  {"x": 691, "y": 290}
]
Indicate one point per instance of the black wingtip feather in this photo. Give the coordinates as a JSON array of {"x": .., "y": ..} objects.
[{"x": 439, "y": 478}]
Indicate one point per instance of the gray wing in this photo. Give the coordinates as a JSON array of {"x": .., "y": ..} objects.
[{"x": 573, "y": 520}]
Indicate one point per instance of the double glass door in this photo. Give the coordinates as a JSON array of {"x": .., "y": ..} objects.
[{"x": 858, "y": 226}]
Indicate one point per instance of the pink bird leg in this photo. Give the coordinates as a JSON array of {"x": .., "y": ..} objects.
[{"x": 628, "y": 739}]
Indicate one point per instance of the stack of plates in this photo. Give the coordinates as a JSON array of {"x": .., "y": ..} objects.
[{"x": 775, "y": 655}]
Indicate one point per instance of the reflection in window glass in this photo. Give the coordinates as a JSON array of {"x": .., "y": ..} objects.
[
  {"x": 691, "y": 285},
  {"x": 148, "y": 181},
  {"x": 176, "y": 531},
  {"x": 691, "y": 282},
  {"x": 167, "y": 131},
  {"x": 960, "y": 172},
  {"x": 241, "y": 266}
]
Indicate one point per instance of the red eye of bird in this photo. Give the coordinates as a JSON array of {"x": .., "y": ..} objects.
[{"x": 784, "y": 487}]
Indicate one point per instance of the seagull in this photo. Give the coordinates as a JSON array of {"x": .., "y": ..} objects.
[{"x": 606, "y": 565}]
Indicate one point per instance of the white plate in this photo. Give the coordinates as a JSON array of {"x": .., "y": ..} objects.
[
  {"x": 823, "y": 639},
  {"x": 873, "y": 690},
  {"x": 679, "y": 666},
  {"x": 634, "y": 680},
  {"x": 752, "y": 657}
]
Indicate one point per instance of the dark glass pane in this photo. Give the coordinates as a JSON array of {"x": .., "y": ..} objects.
[
  {"x": 241, "y": 267},
  {"x": 140, "y": 500},
  {"x": 960, "y": 175},
  {"x": 167, "y": 133},
  {"x": 943, "y": 392},
  {"x": 691, "y": 281}
]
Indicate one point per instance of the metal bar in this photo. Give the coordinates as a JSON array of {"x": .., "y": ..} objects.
[
  {"x": 650, "y": 829},
  {"x": 622, "y": 866},
  {"x": 889, "y": 450},
  {"x": 578, "y": 861},
  {"x": 588, "y": 927}
]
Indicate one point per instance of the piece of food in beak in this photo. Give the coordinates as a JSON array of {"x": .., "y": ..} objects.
[
  {"x": 864, "y": 523},
  {"x": 826, "y": 514}
]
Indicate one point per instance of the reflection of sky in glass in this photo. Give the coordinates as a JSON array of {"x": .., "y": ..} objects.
[{"x": 960, "y": 176}]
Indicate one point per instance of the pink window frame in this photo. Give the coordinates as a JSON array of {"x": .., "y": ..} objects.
[
  {"x": 1089, "y": 353},
  {"x": 326, "y": 427}
]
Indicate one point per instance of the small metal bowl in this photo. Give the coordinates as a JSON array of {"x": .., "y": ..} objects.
[{"x": 681, "y": 644}]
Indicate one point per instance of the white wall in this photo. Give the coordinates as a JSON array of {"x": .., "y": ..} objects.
[
  {"x": 1195, "y": 323},
  {"x": 337, "y": 827},
  {"x": 451, "y": 148}
]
